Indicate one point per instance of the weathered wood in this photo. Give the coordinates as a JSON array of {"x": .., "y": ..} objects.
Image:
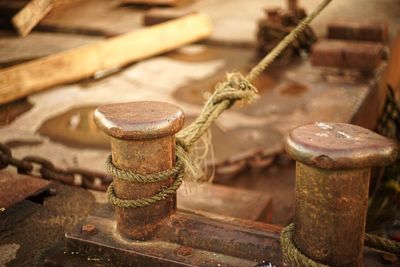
[
  {"x": 75, "y": 64},
  {"x": 92, "y": 17},
  {"x": 30, "y": 15},
  {"x": 158, "y": 15},
  {"x": 154, "y": 2},
  {"x": 15, "y": 50}
]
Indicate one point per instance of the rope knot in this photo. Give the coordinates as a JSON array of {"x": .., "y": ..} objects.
[{"x": 235, "y": 87}]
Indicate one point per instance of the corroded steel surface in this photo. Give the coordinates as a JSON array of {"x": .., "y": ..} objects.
[
  {"x": 339, "y": 145},
  {"x": 227, "y": 201},
  {"x": 186, "y": 239},
  {"x": 143, "y": 142},
  {"x": 16, "y": 187},
  {"x": 365, "y": 56},
  {"x": 361, "y": 29},
  {"x": 330, "y": 214},
  {"x": 139, "y": 120},
  {"x": 333, "y": 171}
]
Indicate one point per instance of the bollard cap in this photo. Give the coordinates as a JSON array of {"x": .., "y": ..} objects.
[
  {"x": 339, "y": 146},
  {"x": 139, "y": 120}
]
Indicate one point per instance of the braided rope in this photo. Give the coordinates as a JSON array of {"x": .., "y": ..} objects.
[
  {"x": 236, "y": 87},
  {"x": 293, "y": 255},
  {"x": 146, "y": 201},
  {"x": 381, "y": 243},
  {"x": 175, "y": 172},
  {"x": 129, "y": 176},
  {"x": 226, "y": 93}
]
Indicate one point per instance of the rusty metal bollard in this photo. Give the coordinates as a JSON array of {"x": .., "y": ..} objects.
[
  {"x": 142, "y": 141},
  {"x": 333, "y": 169},
  {"x": 292, "y": 5}
]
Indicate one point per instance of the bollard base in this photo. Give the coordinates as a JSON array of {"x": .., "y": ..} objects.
[{"x": 186, "y": 239}]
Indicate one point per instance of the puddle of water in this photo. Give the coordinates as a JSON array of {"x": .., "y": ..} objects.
[
  {"x": 293, "y": 89},
  {"x": 9, "y": 112},
  {"x": 75, "y": 128}
]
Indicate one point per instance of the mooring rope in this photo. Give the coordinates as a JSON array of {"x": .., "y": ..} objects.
[
  {"x": 294, "y": 255},
  {"x": 236, "y": 87}
]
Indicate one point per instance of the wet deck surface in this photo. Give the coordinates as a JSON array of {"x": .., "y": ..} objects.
[{"x": 58, "y": 123}]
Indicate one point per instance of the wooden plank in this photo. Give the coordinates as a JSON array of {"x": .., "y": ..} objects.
[
  {"x": 30, "y": 15},
  {"x": 160, "y": 15},
  {"x": 154, "y": 2},
  {"x": 92, "y": 17},
  {"x": 75, "y": 64},
  {"x": 14, "y": 49}
]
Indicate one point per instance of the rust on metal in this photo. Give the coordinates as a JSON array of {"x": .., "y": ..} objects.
[
  {"x": 184, "y": 251},
  {"x": 227, "y": 201},
  {"x": 142, "y": 141},
  {"x": 333, "y": 171},
  {"x": 89, "y": 228},
  {"x": 185, "y": 239},
  {"x": 339, "y": 146},
  {"x": 16, "y": 187},
  {"x": 364, "y": 56},
  {"x": 360, "y": 29}
]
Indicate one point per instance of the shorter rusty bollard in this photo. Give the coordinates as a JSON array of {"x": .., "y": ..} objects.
[
  {"x": 142, "y": 141},
  {"x": 333, "y": 169}
]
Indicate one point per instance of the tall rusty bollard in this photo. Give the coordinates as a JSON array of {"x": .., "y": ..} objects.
[
  {"x": 142, "y": 141},
  {"x": 333, "y": 169}
]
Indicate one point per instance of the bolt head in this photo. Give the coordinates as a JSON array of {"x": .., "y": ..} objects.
[
  {"x": 139, "y": 120},
  {"x": 184, "y": 251},
  {"x": 89, "y": 228},
  {"x": 339, "y": 146}
]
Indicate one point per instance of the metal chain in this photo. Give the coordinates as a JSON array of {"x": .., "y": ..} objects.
[{"x": 42, "y": 167}]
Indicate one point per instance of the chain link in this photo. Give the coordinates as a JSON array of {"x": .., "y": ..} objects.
[{"x": 42, "y": 167}]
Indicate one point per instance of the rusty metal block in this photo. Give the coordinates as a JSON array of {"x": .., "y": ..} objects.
[
  {"x": 16, "y": 187},
  {"x": 361, "y": 30},
  {"x": 364, "y": 56},
  {"x": 185, "y": 239}
]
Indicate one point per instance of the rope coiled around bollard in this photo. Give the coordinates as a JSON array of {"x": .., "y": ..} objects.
[
  {"x": 235, "y": 88},
  {"x": 175, "y": 172},
  {"x": 293, "y": 255}
]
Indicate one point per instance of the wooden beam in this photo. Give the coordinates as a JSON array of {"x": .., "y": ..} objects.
[
  {"x": 79, "y": 63},
  {"x": 30, "y": 15},
  {"x": 154, "y": 2}
]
